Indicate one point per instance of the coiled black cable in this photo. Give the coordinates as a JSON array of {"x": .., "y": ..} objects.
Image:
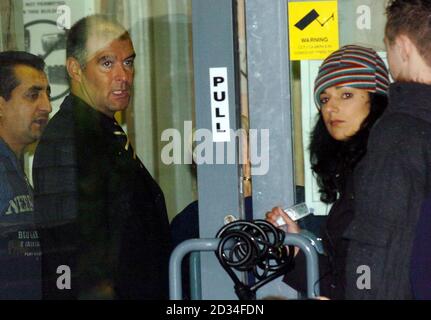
[{"x": 256, "y": 247}]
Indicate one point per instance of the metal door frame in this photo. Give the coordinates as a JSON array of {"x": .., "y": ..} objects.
[{"x": 219, "y": 185}]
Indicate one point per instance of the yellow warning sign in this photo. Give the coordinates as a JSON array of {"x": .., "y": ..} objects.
[{"x": 313, "y": 29}]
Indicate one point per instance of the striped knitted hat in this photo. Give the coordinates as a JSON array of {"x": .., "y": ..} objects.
[{"x": 352, "y": 66}]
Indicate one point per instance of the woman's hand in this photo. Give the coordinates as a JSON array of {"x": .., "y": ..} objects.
[
  {"x": 275, "y": 213},
  {"x": 292, "y": 226}
]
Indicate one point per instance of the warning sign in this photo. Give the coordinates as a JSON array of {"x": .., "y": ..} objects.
[{"x": 313, "y": 29}]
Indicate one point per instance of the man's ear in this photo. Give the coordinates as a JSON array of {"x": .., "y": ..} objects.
[
  {"x": 405, "y": 46},
  {"x": 74, "y": 69}
]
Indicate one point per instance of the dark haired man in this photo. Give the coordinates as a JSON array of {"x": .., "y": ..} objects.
[
  {"x": 24, "y": 111},
  {"x": 103, "y": 215},
  {"x": 394, "y": 177}
]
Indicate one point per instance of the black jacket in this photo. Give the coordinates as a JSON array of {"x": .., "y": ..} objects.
[
  {"x": 420, "y": 268},
  {"x": 391, "y": 183},
  {"x": 332, "y": 265},
  {"x": 99, "y": 211}
]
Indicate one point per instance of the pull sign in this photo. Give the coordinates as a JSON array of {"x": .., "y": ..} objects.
[{"x": 219, "y": 105}]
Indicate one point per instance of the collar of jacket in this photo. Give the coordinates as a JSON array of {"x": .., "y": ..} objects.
[
  {"x": 6, "y": 151},
  {"x": 84, "y": 110},
  {"x": 411, "y": 98}
]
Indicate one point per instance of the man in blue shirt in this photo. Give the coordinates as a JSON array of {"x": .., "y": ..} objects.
[{"x": 24, "y": 111}]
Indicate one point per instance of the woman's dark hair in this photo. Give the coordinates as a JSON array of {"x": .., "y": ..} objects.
[{"x": 332, "y": 160}]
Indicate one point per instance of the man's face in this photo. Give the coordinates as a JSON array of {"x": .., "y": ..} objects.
[
  {"x": 107, "y": 77},
  {"x": 24, "y": 116}
]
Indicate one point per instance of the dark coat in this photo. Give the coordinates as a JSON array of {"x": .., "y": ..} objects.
[
  {"x": 391, "y": 182},
  {"x": 332, "y": 265},
  {"x": 99, "y": 210},
  {"x": 420, "y": 268}
]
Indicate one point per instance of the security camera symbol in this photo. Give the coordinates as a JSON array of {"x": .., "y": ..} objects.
[{"x": 310, "y": 18}]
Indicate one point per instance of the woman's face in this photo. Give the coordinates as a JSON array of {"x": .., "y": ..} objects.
[{"x": 343, "y": 110}]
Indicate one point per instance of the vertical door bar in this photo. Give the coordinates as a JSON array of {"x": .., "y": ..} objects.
[
  {"x": 270, "y": 108},
  {"x": 218, "y": 184}
]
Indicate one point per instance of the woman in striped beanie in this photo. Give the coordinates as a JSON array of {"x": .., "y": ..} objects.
[{"x": 351, "y": 94}]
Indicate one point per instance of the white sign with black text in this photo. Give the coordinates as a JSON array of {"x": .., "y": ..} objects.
[{"x": 219, "y": 104}]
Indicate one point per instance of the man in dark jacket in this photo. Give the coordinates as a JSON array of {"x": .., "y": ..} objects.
[
  {"x": 393, "y": 179},
  {"x": 103, "y": 221}
]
